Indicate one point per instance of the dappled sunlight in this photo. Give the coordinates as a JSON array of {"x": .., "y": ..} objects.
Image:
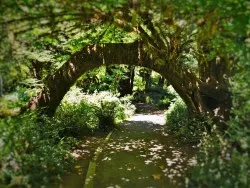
[
  {"x": 86, "y": 150},
  {"x": 156, "y": 119},
  {"x": 140, "y": 154},
  {"x": 71, "y": 70},
  {"x": 171, "y": 162},
  {"x": 143, "y": 154}
]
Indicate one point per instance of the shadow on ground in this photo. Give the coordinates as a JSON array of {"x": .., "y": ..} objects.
[{"x": 141, "y": 154}]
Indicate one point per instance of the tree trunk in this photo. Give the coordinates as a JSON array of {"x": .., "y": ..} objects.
[
  {"x": 201, "y": 96},
  {"x": 148, "y": 80},
  {"x": 132, "y": 78},
  {"x": 215, "y": 75},
  {"x": 37, "y": 69},
  {"x": 161, "y": 82},
  {"x": 126, "y": 84},
  {"x": 90, "y": 57}
]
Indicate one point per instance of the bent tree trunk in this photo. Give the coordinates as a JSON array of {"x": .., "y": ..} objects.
[
  {"x": 161, "y": 82},
  {"x": 147, "y": 77},
  {"x": 191, "y": 89},
  {"x": 126, "y": 84},
  {"x": 214, "y": 88}
]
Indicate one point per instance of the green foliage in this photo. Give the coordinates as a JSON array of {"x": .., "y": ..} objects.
[
  {"x": 102, "y": 110},
  {"x": 139, "y": 96},
  {"x": 239, "y": 124},
  {"x": 110, "y": 110},
  {"x": 32, "y": 153},
  {"x": 139, "y": 82},
  {"x": 159, "y": 97},
  {"x": 177, "y": 115},
  {"x": 12, "y": 74},
  {"x": 76, "y": 119},
  {"x": 224, "y": 159},
  {"x": 102, "y": 79},
  {"x": 180, "y": 123},
  {"x": 164, "y": 103},
  {"x": 13, "y": 103},
  {"x": 219, "y": 164},
  {"x": 35, "y": 150},
  {"x": 37, "y": 37},
  {"x": 155, "y": 96}
]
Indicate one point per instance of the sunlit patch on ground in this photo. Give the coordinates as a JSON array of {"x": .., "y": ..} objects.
[
  {"x": 87, "y": 149},
  {"x": 156, "y": 119},
  {"x": 141, "y": 154}
]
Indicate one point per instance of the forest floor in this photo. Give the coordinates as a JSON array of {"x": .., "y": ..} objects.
[{"x": 140, "y": 154}]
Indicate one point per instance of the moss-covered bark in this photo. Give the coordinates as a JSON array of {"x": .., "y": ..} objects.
[{"x": 200, "y": 96}]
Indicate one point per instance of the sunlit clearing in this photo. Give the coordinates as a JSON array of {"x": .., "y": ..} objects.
[{"x": 156, "y": 119}]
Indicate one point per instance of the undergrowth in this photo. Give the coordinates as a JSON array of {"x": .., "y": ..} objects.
[
  {"x": 32, "y": 153},
  {"x": 159, "y": 97},
  {"x": 220, "y": 164},
  {"x": 35, "y": 150},
  {"x": 224, "y": 158},
  {"x": 103, "y": 110},
  {"x": 189, "y": 129}
]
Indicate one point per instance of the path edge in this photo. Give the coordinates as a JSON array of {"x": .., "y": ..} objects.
[{"x": 89, "y": 180}]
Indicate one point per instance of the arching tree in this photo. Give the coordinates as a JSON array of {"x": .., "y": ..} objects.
[
  {"x": 194, "y": 52},
  {"x": 184, "y": 81}
]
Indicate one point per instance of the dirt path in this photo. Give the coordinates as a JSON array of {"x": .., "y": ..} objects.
[{"x": 141, "y": 155}]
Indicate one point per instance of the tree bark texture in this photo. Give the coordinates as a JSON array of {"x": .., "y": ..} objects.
[
  {"x": 126, "y": 84},
  {"x": 194, "y": 91},
  {"x": 161, "y": 82},
  {"x": 147, "y": 77}
]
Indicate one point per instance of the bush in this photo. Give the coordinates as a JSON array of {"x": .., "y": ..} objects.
[
  {"x": 76, "y": 119},
  {"x": 35, "y": 150},
  {"x": 177, "y": 115},
  {"x": 156, "y": 96},
  {"x": 180, "y": 123},
  {"x": 109, "y": 109},
  {"x": 219, "y": 164},
  {"x": 31, "y": 151},
  {"x": 164, "y": 103},
  {"x": 14, "y": 103},
  {"x": 224, "y": 159},
  {"x": 139, "y": 96},
  {"x": 102, "y": 110}
]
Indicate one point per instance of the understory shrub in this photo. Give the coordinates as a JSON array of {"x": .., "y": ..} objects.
[
  {"x": 76, "y": 119},
  {"x": 156, "y": 96},
  {"x": 188, "y": 128},
  {"x": 35, "y": 150},
  {"x": 220, "y": 164},
  {"x": 80, "y": 111},
  {"x": 32, "y": 154},
  {"x": 110, "y": 109},
  {"x": 13, "y": 103},
  {"x": 224, "y": 158}
]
